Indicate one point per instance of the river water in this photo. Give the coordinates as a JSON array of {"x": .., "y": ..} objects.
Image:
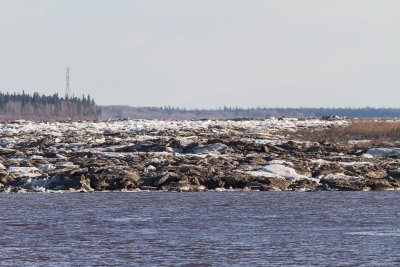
[{"x": 206, "y": 229}]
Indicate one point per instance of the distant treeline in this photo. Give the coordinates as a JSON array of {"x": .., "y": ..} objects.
[
  {"x": 44, "y": 107},
  {"x": 255, "y": 113}
]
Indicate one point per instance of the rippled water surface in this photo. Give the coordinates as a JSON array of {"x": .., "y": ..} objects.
[{"x": 255, "y": 228}]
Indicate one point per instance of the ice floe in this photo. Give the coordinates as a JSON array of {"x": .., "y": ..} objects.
[
  {"x": 211, "y": 148},
  {"x": 343, "y": 163},
  {"x": 383, "y": 152},
  {"x": 336, "y": 176},
  {"x": 24, "y": 171},
  {"x": 278, "y": 170}
]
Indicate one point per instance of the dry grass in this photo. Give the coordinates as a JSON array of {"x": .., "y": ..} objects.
[{"x": 374, "y": 130}]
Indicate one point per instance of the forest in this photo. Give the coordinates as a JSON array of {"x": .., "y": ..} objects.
[
  {"x": 54, "y": 107},
  {"x": 169, "y": 112},
  {"x": 47, "y": 107}
]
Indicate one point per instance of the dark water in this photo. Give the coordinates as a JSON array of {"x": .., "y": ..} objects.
[{"x": 218, "y": 229}]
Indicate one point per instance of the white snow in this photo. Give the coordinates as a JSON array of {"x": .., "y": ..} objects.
[
  {"x": 259, "y": 173},
  {"x": 343, "y": 163},
  {"x": 278, "y": 170},
  {"x": 113, "y": 154},
  {"x": 336, "y": 176},
  {"x": 13, "y": 169},
  {"x": 211, "y": 148},
  {"x": 173, "y": 150},
  {"x": 280, "y": 162},
  {"x": 75, "y": 145},
  {"x": 24, "y": 171},
  {"x": 320, "y": 161},
  {"x": 355, "y": 163},
  {"x": 283, "y": 171},
  {"x": 66, "y": 165},
  {"x": 46, "y": 167},
  {"x": 367, "y": 156},
  {"x": 151, "y": 168},
  {"x": 256, "y": 126},
  {"x": 355, "y": 142},
  {"x": 99, "y": 141}
]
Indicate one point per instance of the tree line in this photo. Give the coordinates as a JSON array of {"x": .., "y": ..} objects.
[
  {"x": 47, "y": 107},
  {"x": 169, "y": 112}
]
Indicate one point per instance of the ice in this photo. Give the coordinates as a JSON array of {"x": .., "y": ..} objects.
[
  {"x": 67, "y": 165},
  {"x": 367, "y": 156},
  {"x": 211, "y": 148},
  {"x": 383, "y": 233},
  {"x": 75, "y": 145},
  {"x": 336, "y": 176},
  {"x": 57, "y": 128},
  {"x": 355, "y": 163},
  {"x": 151, "y": 168},
  {"x": 28, "y": 174},
  {"x": 66, "y": 141},
  {"x": 22, "y": 169},
  {"x": 283, "y": 171},
  {"x": 186, "y": 141},
  {"x": 99, "y": 141},
  {"x": 259, "y": 173},
  {"x": 343, "y": 163},
  {"x": 355, "y": 142},
  {"x": 174, "y": 150},
  {"x": 320, "y": 161},
  {"x": 278, "y": 170},
  {"x": 280, "y": 162},
  {"x": 46, "y": 167},
  {"x": 43, "y": 183},
  {"x": 383, "y": 152},
  {"x": 6, "y": 142},
  {"x": 114, "y": 154}
]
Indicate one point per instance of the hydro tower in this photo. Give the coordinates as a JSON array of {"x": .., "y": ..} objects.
[{"x": 67, "y": 88}]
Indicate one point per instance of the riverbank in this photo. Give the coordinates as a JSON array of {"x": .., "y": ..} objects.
[{"x": 191, "y": 155}]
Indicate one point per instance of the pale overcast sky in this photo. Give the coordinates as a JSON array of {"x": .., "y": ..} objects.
[{"x": 205, "y": 53}]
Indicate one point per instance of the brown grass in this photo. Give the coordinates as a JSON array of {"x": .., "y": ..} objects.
[{"x": 374, "y": 130}]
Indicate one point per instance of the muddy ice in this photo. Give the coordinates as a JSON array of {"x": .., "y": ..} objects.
[{"x": 195, "y": 155}]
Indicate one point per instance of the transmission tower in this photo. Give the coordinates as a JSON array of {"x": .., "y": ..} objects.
[{"x": 67, "y": 88}]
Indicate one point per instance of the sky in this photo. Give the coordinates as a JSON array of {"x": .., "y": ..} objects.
[{"x": 205, "y": 53}]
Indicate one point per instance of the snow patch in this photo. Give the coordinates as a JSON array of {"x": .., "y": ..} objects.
[
  {"x": 343, "y": 163},
  {"x": 66, "y": 165},
  {"x": 280, "y": 162},
  {"x": 12, "y": 169},
  {"x": 367, "y": 156},
  {"x": 211, "y": 148},
  {"x": 336, "y": 176},
  {"x": 276, "y": 169},
  {"x": 282, "y": 171},
  {"x": 151, "y": 168},
  {"x": 355, "y": 142},
  {"x": 24, "y": 171},
  {"x": 355, "y": 163},
  {"x": 46, "y": 167}
]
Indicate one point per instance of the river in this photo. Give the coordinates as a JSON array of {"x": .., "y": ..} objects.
[{"x": 207, "y": 229}]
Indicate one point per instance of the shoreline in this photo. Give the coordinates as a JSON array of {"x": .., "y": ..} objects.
[
  {"x": 219, "y": 190},
  {"x": 191, "y": 156}
]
